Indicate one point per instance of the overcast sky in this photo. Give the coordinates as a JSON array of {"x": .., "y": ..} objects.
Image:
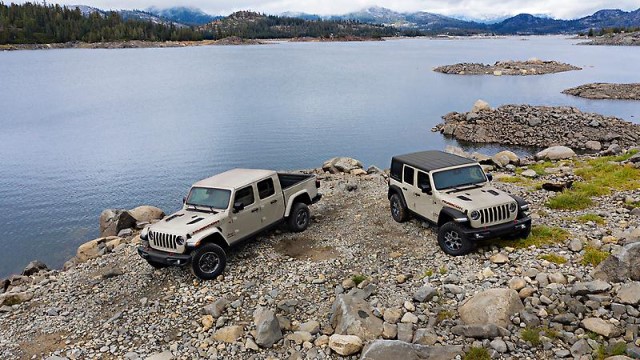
[{"x": 563, "y": 9}]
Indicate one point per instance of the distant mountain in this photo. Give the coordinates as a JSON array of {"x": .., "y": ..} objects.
[
  {"x": 608, "y": 19},
  {"x": 184, "y": 15},
  {"x": 300, "y": 15},
  {"x": 129, "y": 15}
]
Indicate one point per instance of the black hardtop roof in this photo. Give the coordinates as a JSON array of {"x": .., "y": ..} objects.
[{"x": 432, "y": 160}]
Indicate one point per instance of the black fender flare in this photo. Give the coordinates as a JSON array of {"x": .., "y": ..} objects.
[
  {"x": 454, "y": 214},
  {"x": 393, "y": 189},
  {"x": 522, "y": 203}
]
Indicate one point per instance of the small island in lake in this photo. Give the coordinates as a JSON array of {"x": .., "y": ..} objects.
[
  {"x": 606, "y": 91},
  {"x": 522, "y": 68}
]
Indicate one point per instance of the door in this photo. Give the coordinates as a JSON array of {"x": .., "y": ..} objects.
[
  {"x": 408, "y": 187},
  {"x": 246, "y": 221},
  {"x": 425, "y": 204},
  {"x": 271, "y": 202}
]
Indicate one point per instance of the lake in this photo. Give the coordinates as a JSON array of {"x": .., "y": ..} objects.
[{"x": 84, "y": 130}]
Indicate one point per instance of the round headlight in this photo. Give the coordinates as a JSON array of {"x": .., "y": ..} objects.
[
  {"x": 144, "y": 234},
  {"x": 180, "y": 241},
  {"x": 475, "y": 215},
  {"x": 513, "y": 207}
]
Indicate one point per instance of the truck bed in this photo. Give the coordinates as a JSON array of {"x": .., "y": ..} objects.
[{"x": 288, "y": 180}]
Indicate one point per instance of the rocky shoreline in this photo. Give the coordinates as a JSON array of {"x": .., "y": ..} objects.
[
  {"x": 355, "y": 284},
  {"x": 539, "y": 126},
  {"x": 606, "y": 91},
  {"x": 622, "y": 39},
  {"x": 131, "y": 44},
  {"x": 521, "y": 68}
]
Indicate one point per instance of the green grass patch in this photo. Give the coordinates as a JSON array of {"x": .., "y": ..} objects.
[
  {"x": 593, "y": 256},
  {"x": 443, "y": 270},
  {"x": 539, "y": 168},
  {"x": 512, "y": 179},
  {"x": 591, "y": 217},
  {"x": 427, "y": 273},
  {"x": 443, "y": 315},
  {"x": 601, "y": 176},
  {"x": 591, "y": 335},
  {"x": 540, "y": 235},
  {"x": 477, "y": 353},
  {"x": 604, "y": 351},
  {"x": 556, "y": 259},
  {"x": 359, "y": 278},
  {"x": 531, "y": 335},
  {"x": 550, "y": 333}
]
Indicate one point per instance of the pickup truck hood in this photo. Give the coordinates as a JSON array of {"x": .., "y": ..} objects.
[
  {"x": 186, "y": 222},
  {"x": 476, "y": 198}
]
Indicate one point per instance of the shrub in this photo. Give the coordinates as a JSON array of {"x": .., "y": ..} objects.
[
  {"x": 593, "y": 256},
  {"x": 591, "y": 217},
  {"x": 477, "y": 353},
  {"x": 556, "y": 259},
  {"x": 357, "y": 279},
  {"x": 531, "y": 335}
]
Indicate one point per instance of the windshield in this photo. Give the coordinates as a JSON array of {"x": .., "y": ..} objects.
[
  {"x": 467, "y": 175},
  {"x": 215, "y": 198}
]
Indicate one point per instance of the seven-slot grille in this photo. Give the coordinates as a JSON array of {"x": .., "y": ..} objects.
[
  {"x": 161, "y": 240},
  {"x": 494, "y": 214}
]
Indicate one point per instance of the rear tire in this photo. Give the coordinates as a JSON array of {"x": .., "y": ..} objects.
[
  {"x": 453, "y": 241},
  {"x": 157, "y": 265},
  {"x": 208, "y": 261},
  {"x": 299, "y": 217},
  {"x": 399, "y": 212}
]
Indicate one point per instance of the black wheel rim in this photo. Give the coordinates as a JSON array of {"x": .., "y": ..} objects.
[
  {"x": 208, "y": 262},
  {"x": 395, "y": 209},
  {"x": 302, "y": 218},
  {"x": 452, "y": 240}
]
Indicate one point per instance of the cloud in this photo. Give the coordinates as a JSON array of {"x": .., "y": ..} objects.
[{"x": 562, "y": 9}]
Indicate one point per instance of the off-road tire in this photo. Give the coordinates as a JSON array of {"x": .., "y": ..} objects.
[
  {"x": 299, "y": 217},
  {"x": 399, "y": 212},
  {"x": 208, "y": 261},
  {"x": 453, "y": 241},
  {"x": 157, "y": 265}
]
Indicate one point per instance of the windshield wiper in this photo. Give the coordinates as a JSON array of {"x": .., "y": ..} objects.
[{"x": 459, "y": 187}]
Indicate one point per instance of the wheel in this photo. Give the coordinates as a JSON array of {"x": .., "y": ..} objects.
[
  {"x": 208, "y": 261},
  {"x": 398, "y": 210},
  {"x": 453, "y": 241},
  {"x": 157, "y": 265},
  {"x": 299, "y": 217}
]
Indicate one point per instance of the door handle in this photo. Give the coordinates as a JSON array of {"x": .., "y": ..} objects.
[
  {"x": 416, "y": 194},
  {"x": 255, "y": 210},
  {"x": 404, "y": 188},
  {"x": 274, "y": 201}
]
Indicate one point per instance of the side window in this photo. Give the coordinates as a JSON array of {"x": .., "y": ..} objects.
[
  {"x": 245, "y": 196},
  {"x": 396, "y": 170},
  {"x": 407, "y": 176},
  {"x": 266, "y": 188},
  {"x": 423, "y": 179}
]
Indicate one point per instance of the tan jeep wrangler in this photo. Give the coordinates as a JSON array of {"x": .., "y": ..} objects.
[
  {"x": 223, "y": 210},
  {"x": 454, "y": 193}
]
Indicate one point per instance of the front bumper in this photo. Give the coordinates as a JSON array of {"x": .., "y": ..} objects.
[
  {"x": 162, "y": 257},
  {"x": 511, "y": 228}
]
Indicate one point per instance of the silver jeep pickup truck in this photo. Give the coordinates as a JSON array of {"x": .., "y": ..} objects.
[
  {"x": 223, "y": 210},
  {"x": 454, "y": 193}
]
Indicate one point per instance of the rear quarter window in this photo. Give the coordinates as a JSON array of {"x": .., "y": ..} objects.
[{"x": 396, "y": 170}]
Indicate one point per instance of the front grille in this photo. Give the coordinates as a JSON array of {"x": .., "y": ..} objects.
[
  {"x": 160, "y": 240},
  {"x": 494, "y": 214}
]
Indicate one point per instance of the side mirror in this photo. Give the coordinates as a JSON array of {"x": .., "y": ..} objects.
[
  {"x": 489, "y": 177},
  {"x": 184, "y": 200},
  {"x": 238, "y": 206},
  {"x": 426, "y": 188}
]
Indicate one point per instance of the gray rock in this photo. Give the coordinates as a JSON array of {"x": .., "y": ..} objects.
[
  {"x": 34, "y": 267},
  {"x": 487, "y": 331},
  {"x": 600, "y": 326},
  {"x": 593, "y": 145},
  {"x": 530, "y": 173},
  {"x": 341, "y": 164},
  {"x": 555, "y": 153},
  {"x": 353, "y": 316},
  {"x": 529, "y": 319},
  {"x": 125, "y": 232},
  {"x": 393, "y": 349},
  {"x": 217, "y": 308},
  {"x": 566, "y": 319},
  {"x": 146, "y": 213},
  {"x": 480, "y": 105},
  {"x": 629, "y": 293},
  {"x": 425, "y": 293},
  {"x": 499, "y": 345},
  {"x": 621, "y": 266},
  {"x": 425, "y": 337},
  {"x": 575, "y": 245},
  {"x": 493, "y": 306},
  {"x": 580, "y": 348},
  {"x": 405, "y": 332},
  {"x": 504, "y": 158},
  {"x": 345, "y": 345},
  {"x": 313, "y": 327},
  {"x": 165, "y": 355},
  {"x": 15, "y": 298},
  {"x": 267, "y": 327},
  {"x": 591, "y": 287},
  {"x": 112, "y": 221}
]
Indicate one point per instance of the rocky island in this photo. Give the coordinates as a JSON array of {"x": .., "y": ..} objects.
[
  {"x": 522, "y": 68},
  {"x": 606, "y": 91},
  {"x": 620, "y": 39},
  {"x": 357, "y": 284},
  {"x": 539, "y": 126}
]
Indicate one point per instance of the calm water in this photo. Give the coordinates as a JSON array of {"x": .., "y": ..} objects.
[{"x": 85, "y": 130}]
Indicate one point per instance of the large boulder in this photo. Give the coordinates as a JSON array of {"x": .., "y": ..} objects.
[
  {"x": 555, "y": 153},
  {"x": 15, "y": 298},
  {"x": 341, "y": 164},
  {"x": 504, "y": 158},
  {"x": 480, "y": 105},
  {"x": 34, "y": 267},
  {"x": 112, "y": 221},
  {"x": 487, "y": 331},
  {"x": 600, "y": 327},
  {"x": 622, "y": 266},
  {"x": 629, "y": 293},
  {"x": 146, "y": 213},
  {"x": 353, "y": 316},
  {"x": 345, "y": 345},
  {"x": 493, "y": 306},
  {"x": 228, "y": 334},
  {"x": 96, "y": 248},
  {"x": 395, "y": 349},
  {"x": 267, "y": 327}
]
